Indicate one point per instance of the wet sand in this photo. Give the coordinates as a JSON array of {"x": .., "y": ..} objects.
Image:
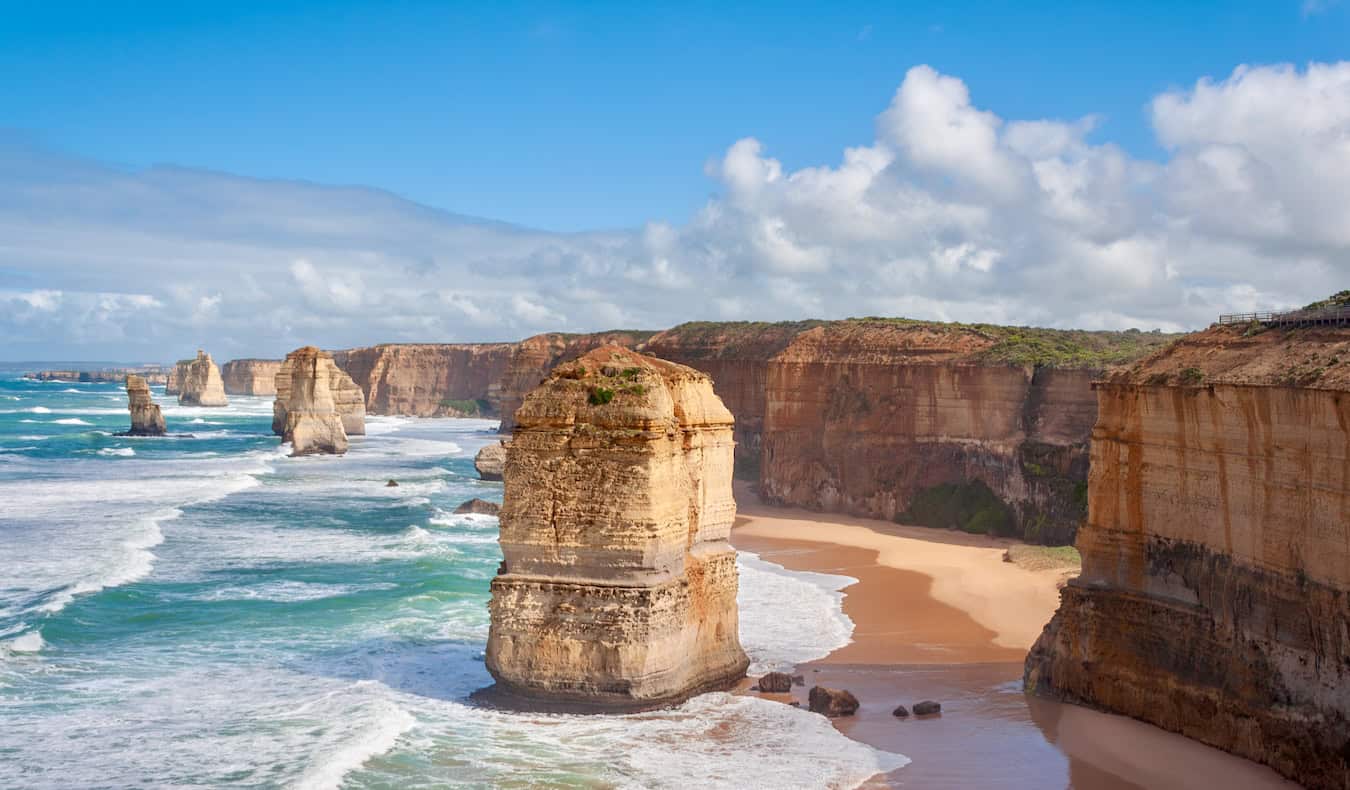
[{"x": 938, "y": 615}]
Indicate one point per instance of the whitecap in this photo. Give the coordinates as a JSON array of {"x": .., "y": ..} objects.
[
  {"x": 33, "y": 438},
  {"x": 71, "y": 421},
  {"x": 789, "y": 617},
  {"x": 30, "y": 642},
  {"x": 129, "y": 562},
  {"x": 123, "y": 452},
  {"x": 39, "y": 410},
  {"x": 379, "y": 735}
]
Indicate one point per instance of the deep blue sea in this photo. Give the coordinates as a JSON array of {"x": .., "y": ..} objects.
[{"x": 199, "y": 610}]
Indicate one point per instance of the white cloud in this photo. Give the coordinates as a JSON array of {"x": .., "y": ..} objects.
[{"x": 952, "y": 212}]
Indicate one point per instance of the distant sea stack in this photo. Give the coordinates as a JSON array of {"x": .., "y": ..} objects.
[
  {"x": 618, "y": 585},
  {"x": 250, "y": 376},
  {"x": 1214, "y": 599},
  {"x": 146, "y": 419},
  {"x": 310, "y": 419},
  {"x": 199, "y": 383},
  {"x": 348, "y": 399},
  {"x": 491, "y": 461}
]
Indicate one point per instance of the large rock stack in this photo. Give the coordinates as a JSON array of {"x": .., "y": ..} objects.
[
  {"x": 199, "y": 383},
  {"x": 311, "y": 422},
  {"x": 146, "y": 419},
  {"x": 618, "y": 586},
  {"x": 348, "y": 399}
]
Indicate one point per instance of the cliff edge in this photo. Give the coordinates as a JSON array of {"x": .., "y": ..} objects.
[
  {"x": 618, "y": 586},
  {"x": 1214, "y": 599}
]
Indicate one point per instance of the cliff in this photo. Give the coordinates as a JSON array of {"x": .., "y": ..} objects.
[
  {"x": 152, "y": 374},
  {"x": 426, "y": 380},
  {"x": 310, "y": 419},
  {"x": 618, "y": 585},
  {"x": 348, "y": 399},
  {"x": 531, "y": 360},
  {"x": 250, "y": 376},
  {"x": 199, "y": 382},
  {"x": 146, "y": 418},
  {"x": 1215, "y": 593}
]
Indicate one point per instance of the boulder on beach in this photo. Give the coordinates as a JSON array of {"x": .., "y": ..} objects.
[
  {"x": 480, "y": 507},
  {"x": 491, "y": 461},
  {"x": 775, "y": 683},
  {"x": 832, "y": 702},
  {"x": 927, "y": 708}
]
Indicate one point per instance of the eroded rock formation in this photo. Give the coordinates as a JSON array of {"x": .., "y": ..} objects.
[
  {"x": 146, "y": 418},
  {"x": 618, "y": 586},
  {"x": 311, "y": 421},
  {"x": 490, "y": 461},
  {"x": 348, "y": 399},
  {"x": 199, "y": 383},
  {"x": 426, "y": 379},
  {"x": 1214, "y": 599},
  {"x": 250, "y": 376}
]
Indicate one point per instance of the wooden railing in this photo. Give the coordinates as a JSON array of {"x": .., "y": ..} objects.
[{"x": 1318, "y": 317}]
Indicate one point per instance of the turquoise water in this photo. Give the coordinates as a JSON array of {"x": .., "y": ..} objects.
[{"x": 201, "y": 610}]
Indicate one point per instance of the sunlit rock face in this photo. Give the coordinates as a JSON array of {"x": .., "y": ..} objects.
[
  {"x": 348, "y": 399},
  {"x": 1215, "y": 594},
  {"x": 426, "y": 379},
  {"x": 311, "y": 422},
  {"x": 618, "y": 586},
  {"x": 250, "y": 376},
  {"x": 198, "y": 382},
  {"x": 146, "y": 418}
]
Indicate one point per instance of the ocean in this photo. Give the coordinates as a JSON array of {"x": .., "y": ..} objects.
[{"x": 199, "y": 610}]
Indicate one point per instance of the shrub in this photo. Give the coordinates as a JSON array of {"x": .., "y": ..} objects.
[
  {"x": 600, "y": 396},
  {"x": 466, "y": 407},
  {"x": 630, "y": 374},
  {"x": 967, "y": 506},
  {"x": 1192, "y": 376}
]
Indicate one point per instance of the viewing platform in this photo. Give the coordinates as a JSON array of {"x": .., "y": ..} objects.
[{"x": 1338, "y": 315}]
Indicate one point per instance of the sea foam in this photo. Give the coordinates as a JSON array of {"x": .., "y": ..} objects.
[{"x": 789, "y": 617}]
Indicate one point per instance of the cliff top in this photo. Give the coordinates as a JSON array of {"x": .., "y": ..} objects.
[{"x": 1316, "y": 357}]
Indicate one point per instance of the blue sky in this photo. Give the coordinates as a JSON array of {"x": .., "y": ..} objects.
[
  {"x": 251, "y": 177},
  {"x": 578, "y": 116}
]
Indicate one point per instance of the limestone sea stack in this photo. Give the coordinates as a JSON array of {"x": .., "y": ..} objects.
[
  {"x": 491, "y": 461},
  {"x": 199, "y": 382},
  {"x": 618, "y": 585},
  {"x": 348, "y": 399},
  {"x": 1214, "y": 599},
  {"x": 312, "y": 423},
  {"x": 146, "y": 418}
]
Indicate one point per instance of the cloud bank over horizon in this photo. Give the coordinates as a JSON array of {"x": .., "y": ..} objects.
[{"x": 950, "y": 213}]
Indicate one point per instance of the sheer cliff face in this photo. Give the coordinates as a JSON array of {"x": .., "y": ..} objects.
[
  {"x": 1215, "y": 593},
  {"x": 250, "y": 376},
  {"x": 146, "y": 418},
  {"x": 199, "y": 383},
  {"x": 311, "y": 422},
  {"x": 425, "y": 380},
  {"x": 531, "y": 360},
  {"x": 348, "y": 399},
  {"x": 618, "y": 586}
]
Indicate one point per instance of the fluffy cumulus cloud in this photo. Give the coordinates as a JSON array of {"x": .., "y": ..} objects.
[{"x": 951, "y": 212}]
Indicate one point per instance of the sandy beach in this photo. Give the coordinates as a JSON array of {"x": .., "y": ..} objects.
[{"x": 939, "y": 615}]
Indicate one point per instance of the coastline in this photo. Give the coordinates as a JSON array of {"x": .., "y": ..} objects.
[{"x": 939, "y": 615}]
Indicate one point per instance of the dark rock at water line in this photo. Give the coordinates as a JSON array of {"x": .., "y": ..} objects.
[
  {"x": 832, "y": 702},
  {"x": 775, "y": 683},
  {"x": 480, "y": 507},
  {"x": 927, "y": 708},
  {"x": 900, "y": 712},
  {"x": 391, "y": 484}
]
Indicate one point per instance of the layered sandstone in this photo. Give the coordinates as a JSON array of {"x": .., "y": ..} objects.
[
  {"x": 146, "y": 418},
  {"x": 250, "y": 376},
  {"x": 1215, "y": 594},
  {"x": 348, "y": 400},
  {"x": 531, "y": 360},
  {"x": 199, "y": 383},
  {"x": 490, "y": 462},
  {"x": 618, "y": 585},
  {"x": 311, "y": 422},
  {"x": 426, "y": 379}
]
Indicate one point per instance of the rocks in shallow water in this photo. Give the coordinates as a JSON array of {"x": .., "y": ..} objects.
[
  {"x": 480, "y": 507},
  {"x": 199, "y": 382},
  {"x": 620, "y": 584},
  {"x": 775, "y": 683},
  {"x": 927, "y": 708},
  {"x": 312, "y": 424},
  {"x": 832, "y": 702},
  {"x": 900, "y": 712},
  {"x": 146, "y": 418},
  {"x": 391, "y": 484},
  {"x": 491, "y": 461}
]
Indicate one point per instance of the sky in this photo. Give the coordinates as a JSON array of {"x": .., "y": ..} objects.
[{"x": 256, "y": 176}]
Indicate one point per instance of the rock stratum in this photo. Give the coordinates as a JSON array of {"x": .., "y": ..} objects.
[
  {"x": 250, "y": 376},
  {"x": 979, "y": 427},
  {"x": 618, "y": 586},
  {"x": 198, "y": 382},
  {"x": 349, "y": 401},
  {"x": 310, "y": 418},
  {"x": 153, "y": 374},
  {"x": 146, "y": 417},
  {"x": 1214, "y": 599}
]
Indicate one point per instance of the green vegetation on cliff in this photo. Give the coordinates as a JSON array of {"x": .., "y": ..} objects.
[
  {"x": 466, "y": 408},
  {"x": 968, "y": 506}
]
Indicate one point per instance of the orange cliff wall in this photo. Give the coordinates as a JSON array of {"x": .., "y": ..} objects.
[
  {"x": 1215, "y": 594},
  {"x": 250, "y": 376},
  {"x": 418, "y": 379}
]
